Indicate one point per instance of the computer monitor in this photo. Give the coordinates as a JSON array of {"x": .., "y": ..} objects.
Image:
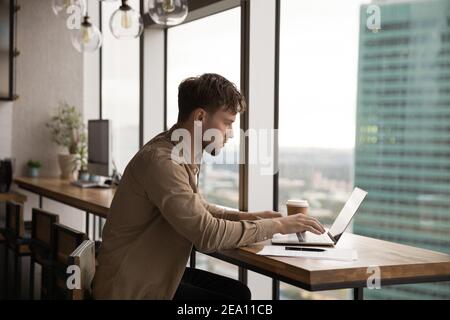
[{"x": 99, "y": 148}]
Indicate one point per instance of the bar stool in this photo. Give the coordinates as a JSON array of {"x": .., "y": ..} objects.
[
  {"x": 8, "y": 196},
  {"x": 17, "y": 234},
  {"x": 41, "y": 249},
  {"x": 66, "y": 240},
  {"x": 5, "y": 277}
]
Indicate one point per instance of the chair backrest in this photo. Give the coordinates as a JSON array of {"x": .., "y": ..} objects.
[
  {"x": 42, "y": 232},
  {"x": 15, "y": 225},
  {"x": 84, "y": 258},
  {"x": 66, "y": 240}
]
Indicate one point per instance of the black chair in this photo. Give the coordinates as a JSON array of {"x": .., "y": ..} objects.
[
  {"x": 41, "y": 245},
  {"x": 17, "y": 235},
  {"x": 66, "y": 240}
]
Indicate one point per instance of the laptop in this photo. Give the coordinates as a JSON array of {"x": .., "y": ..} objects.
[
  {"x": 331, "y": 236},
  {"x": 90, "y": 184}
]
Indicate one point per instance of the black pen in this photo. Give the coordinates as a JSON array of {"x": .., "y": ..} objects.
[{"x": 304, "y": 249}]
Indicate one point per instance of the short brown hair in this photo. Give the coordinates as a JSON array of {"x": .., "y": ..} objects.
[{"x": 209, "y": 91}]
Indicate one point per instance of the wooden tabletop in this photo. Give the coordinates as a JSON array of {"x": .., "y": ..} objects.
[
  {"x": 398, "y": 264},
  {"x": 94, "y": 200}
]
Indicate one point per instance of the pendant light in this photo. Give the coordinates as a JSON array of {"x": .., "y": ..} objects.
[
  {"x": 60, "y": 6},
  {"x": 126, "y": 22},
  {"x": 88, "y": 38},
  {"x": 168, "y": 12}
]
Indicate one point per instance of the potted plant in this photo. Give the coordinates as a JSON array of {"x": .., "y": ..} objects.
[
  {"x": 67, "y": 130},
  {"x": 33, "y": 168},
  {"x": 81, "y": 159}
]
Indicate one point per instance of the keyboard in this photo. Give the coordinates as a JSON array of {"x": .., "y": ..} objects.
[{"x": 90, "y": 184}]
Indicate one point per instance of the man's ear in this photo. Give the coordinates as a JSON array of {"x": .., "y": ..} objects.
[{"x": 199, "y": 114}]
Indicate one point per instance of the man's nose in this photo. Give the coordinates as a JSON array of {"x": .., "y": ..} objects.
[{"x": 229, "y": 134}]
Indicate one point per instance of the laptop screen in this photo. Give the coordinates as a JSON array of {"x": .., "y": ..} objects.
[{"x": 347, "y": 213}]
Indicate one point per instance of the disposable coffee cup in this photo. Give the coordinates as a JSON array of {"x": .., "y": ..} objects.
[{"x": 297, "y": 206}]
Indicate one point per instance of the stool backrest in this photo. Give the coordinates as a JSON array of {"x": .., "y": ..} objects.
[
  {"x": 42, "y": 230},
  {"x": 66, "y": 240},
  {"x": 84, "y": 259},
  {"x": 15, "y": 225}
]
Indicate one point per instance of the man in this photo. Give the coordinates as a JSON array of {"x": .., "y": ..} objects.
[{"x": 157, "y": 213}]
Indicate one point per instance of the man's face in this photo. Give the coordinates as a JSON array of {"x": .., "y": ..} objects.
[{"x": 221, "y": 122}]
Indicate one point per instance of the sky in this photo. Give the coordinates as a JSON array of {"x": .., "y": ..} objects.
[
  {"x": 318, "y": 73},
  {"x": 318, "y": 67},
  {"x": 318, "y": 70}
]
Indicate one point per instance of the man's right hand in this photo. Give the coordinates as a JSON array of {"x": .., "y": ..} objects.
[{"x": 298, "y": 223}]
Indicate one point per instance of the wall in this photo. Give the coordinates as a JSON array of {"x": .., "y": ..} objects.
[{"x": 49, "y": 70}]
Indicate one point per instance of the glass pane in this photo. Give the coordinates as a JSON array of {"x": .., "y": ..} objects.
[
  {"x": 208, "y": 45},
  {"x": 4, "y": 48},
  {"x": 120, "y": 89},
  {"x": 403, "y": 133},
  {"x": 318, "y": 85}
]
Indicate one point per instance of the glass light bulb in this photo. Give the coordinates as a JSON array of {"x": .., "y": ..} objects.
[
  {"x": 60, "y": 6},
  {"x": 88, "y": 38},
  {"x": 86, "y": 34},
  {"x": 168, "y": 12},
  {"x": 126, "y": 22},
  {"x": 168, "y": 6}
]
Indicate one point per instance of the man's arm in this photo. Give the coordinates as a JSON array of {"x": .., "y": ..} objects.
[
  {"x": 166, "y": 183},
  {"x": 235, "y": 215}
]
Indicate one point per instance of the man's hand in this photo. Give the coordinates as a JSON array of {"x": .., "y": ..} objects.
[
  {"x": 299, "y": 223},
  {"x": 259, "y": 215}
]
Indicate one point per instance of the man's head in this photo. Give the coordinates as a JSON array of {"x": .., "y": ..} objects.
[{"x": 212, "y": 100}]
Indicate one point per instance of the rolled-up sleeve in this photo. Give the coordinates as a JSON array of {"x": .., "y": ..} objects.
[
  {"x": 219, "y": 212},
  {"x": 166, "y": 184}
]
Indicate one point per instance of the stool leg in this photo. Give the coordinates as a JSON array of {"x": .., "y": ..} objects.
[
  {"x": 31, "y": 278},
  {"x": 16, "y": 277},
  {"x": 6, "y": 272}
]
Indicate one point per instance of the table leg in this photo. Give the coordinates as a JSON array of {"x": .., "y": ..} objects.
[
  {"x": 94, "y": 228},
  {"x": 192, "y": 259},
  {"x": 275, "y": 289},
  {"x": 100, "y": 222},
  {"x": 358, "y": 293},
  {"x": 40, "y": 202},
  {"x": 87, "y": 224},
  {"x": 243, "y": 275}
]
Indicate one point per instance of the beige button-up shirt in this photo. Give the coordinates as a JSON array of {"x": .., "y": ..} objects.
[{"x": 157, "y": 214}]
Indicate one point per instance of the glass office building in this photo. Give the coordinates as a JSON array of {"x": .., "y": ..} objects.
[{"x": 402, "y": 151}]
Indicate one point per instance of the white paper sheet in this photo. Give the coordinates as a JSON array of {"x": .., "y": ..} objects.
[{"x": 328, "y": 254}]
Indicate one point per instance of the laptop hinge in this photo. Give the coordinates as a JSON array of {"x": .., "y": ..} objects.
[{"x": 332, "y": 238}]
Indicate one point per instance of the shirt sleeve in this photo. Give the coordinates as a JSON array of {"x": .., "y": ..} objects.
[
  {"x": 166, "y": 184},
  {"x": 218, "y": 212}
]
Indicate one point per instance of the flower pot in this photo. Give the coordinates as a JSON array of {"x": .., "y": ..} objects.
[
  {"x": 33, "y": 172},
  {"x": 83, "y": 175},
  {"x": 67, "y": 165}
]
